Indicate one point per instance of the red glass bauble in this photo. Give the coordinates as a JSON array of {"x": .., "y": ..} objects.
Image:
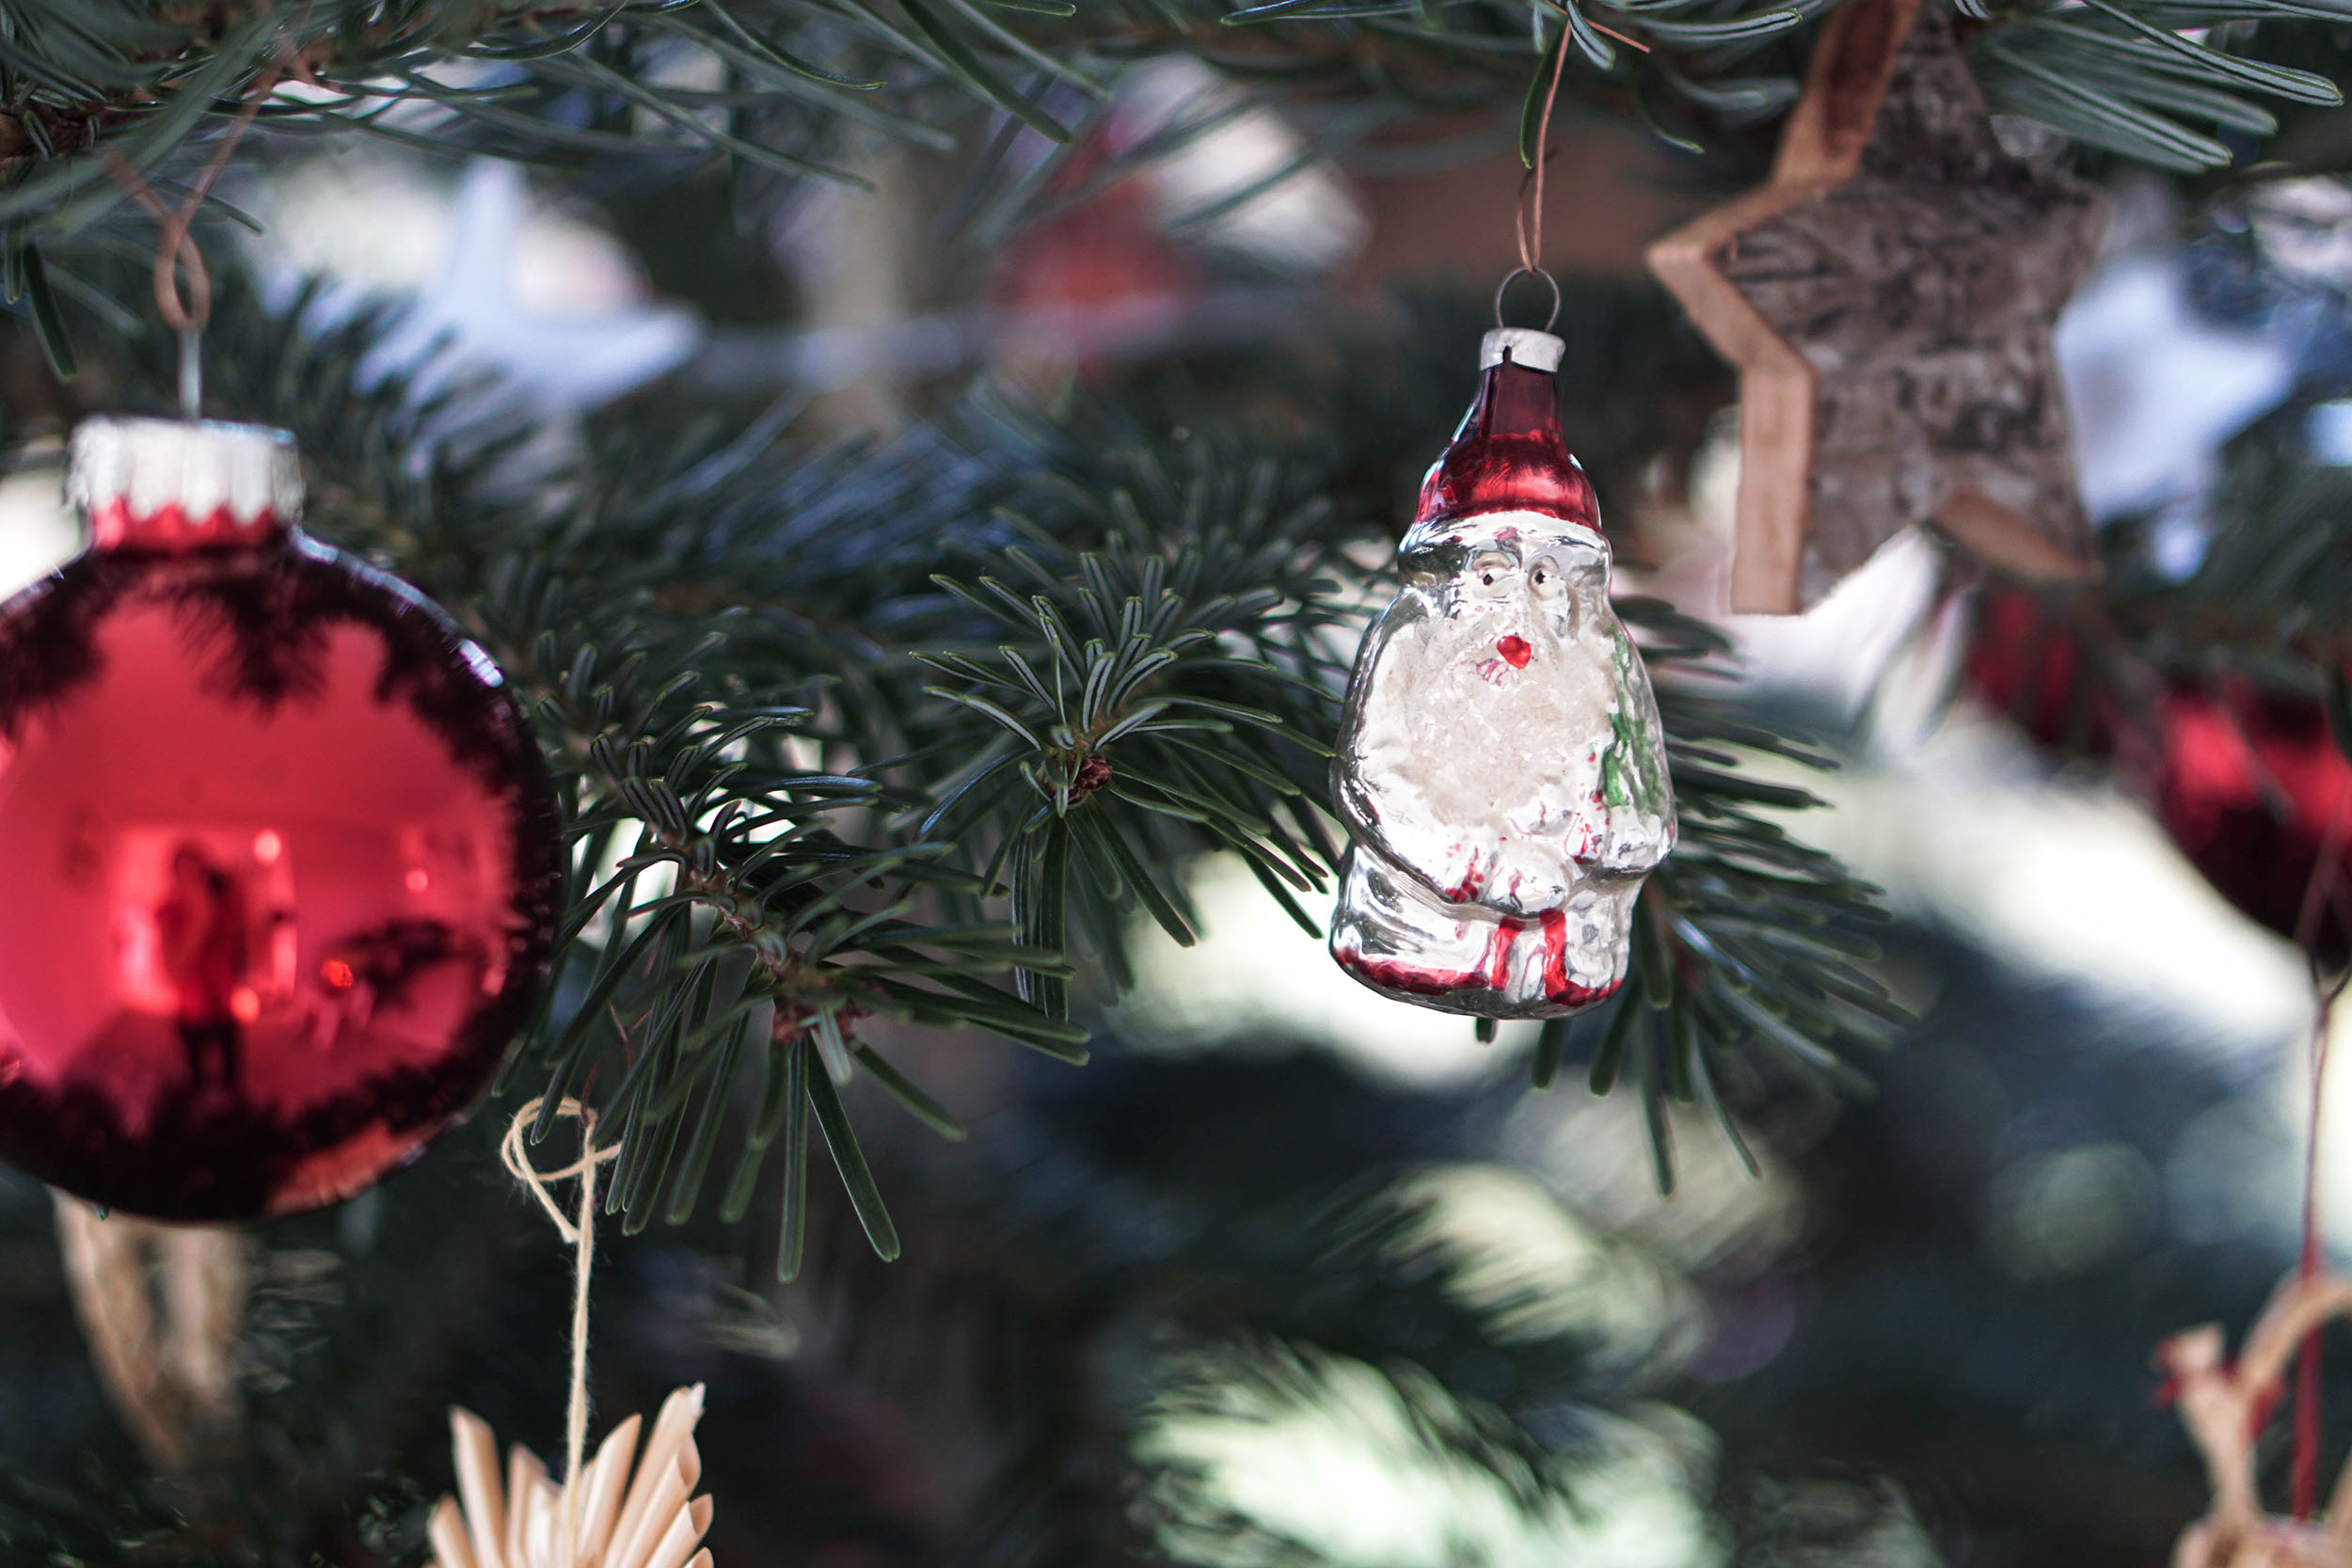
[
  {"x": 279, "y": 858},
  {"x": 2247, "y": 784}
]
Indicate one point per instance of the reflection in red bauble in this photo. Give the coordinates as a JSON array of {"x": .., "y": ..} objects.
[
  {"x": 2248, "y": 786},
  {"x": 279, "y": 858}
]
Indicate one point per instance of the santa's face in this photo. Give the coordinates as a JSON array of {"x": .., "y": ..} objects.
[{"x": 1512, "y": 581}]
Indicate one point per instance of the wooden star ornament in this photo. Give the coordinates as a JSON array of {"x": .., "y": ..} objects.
[{"x": 1887, "y": 296}]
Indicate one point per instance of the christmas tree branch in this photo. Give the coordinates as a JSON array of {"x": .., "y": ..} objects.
[
  {"x": 2118, "y": 74},
  {"x": 1047, "y": 665},
  {"x": 2266, "y": 599},
  {"x": 1165, "y": 691},
  {"x": 103, "y": 94}
]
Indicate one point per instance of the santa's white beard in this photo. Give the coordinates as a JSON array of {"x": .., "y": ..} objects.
[{"x": 1480, "y": 777}]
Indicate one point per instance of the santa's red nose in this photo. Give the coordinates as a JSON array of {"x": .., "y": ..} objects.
[{"x": 1515, "y": 650}]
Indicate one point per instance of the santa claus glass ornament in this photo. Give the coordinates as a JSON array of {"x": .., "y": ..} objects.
[
  {"x": 279, "y": 859},
  {"x": 1500, "y": 770}
]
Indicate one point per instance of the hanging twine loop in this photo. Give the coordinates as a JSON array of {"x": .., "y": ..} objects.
[
  {"x": 619, "y": 1510},
  {"x": 581, "y": 1236}
]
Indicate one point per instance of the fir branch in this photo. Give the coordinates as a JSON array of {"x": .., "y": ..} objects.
[
  {"x": 1160, "y": 685},
  {"x": 1424, "y": 1427},
  {"x": 2119, "y": 74},
  {"x": 787, "y": 86},
  {"x": 1747, "y": 959},
  {"x": 731, "y": 904},
  {"x": 2269, "y": 597},
  {"x": 816, "y": 768}
]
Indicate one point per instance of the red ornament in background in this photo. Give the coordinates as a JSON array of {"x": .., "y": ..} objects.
[
  {"x": 1080, "y": 287},
  {"x": 2026, "y": 660},
  {"x": 2248, "y": 786},
  {"x": 2244, "y": 781},
  {"x": 279, "y": 858}
]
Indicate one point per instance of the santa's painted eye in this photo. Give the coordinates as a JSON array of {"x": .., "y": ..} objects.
[
  {"x": 1546, "y": 579},
  {"x": 1490, "y": 574}
]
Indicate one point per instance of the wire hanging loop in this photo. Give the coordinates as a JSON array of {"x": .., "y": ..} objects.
[
  {"x": 178, "y": 260},
  {"x": 582, "y": 1237},
  {"x": 1514, "y": 276},
  {"x": 1527, "y": 216}
]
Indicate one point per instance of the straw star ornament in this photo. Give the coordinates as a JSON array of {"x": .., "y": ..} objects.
[
  {"x": 601, "y": 1516},
  {"x": 651, "y": 1521}
]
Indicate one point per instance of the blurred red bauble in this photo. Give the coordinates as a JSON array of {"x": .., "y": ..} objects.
[
  {"x": 2025, "y": 660},
  {"x": 279, "y": 858},
  {"x": 1087, "y": 286},
  {"x": 2247, "y": 785},
  {"x": 2244, "y": 781}
]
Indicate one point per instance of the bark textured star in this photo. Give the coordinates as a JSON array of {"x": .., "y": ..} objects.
[{"x": 1888, "y": 297}]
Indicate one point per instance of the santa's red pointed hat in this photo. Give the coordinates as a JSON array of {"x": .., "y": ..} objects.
[{"x": 1508, "y": 480}]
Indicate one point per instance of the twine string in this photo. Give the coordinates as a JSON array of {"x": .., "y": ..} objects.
[{"x": 580, "y": 1237}]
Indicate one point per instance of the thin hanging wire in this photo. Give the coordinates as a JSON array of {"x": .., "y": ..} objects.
[
  {"x": 1531, "y": 208},
  {"x": 1514, "y": 276},
  {"x": 1529, "y": 218},
  {"x": 178, "y": 258},
  {"x": 192, "y": 373},
  {"x": 2318, "y": 894}
]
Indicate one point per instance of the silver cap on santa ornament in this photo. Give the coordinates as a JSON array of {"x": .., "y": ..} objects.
[{"x": 179, "y": 484}]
